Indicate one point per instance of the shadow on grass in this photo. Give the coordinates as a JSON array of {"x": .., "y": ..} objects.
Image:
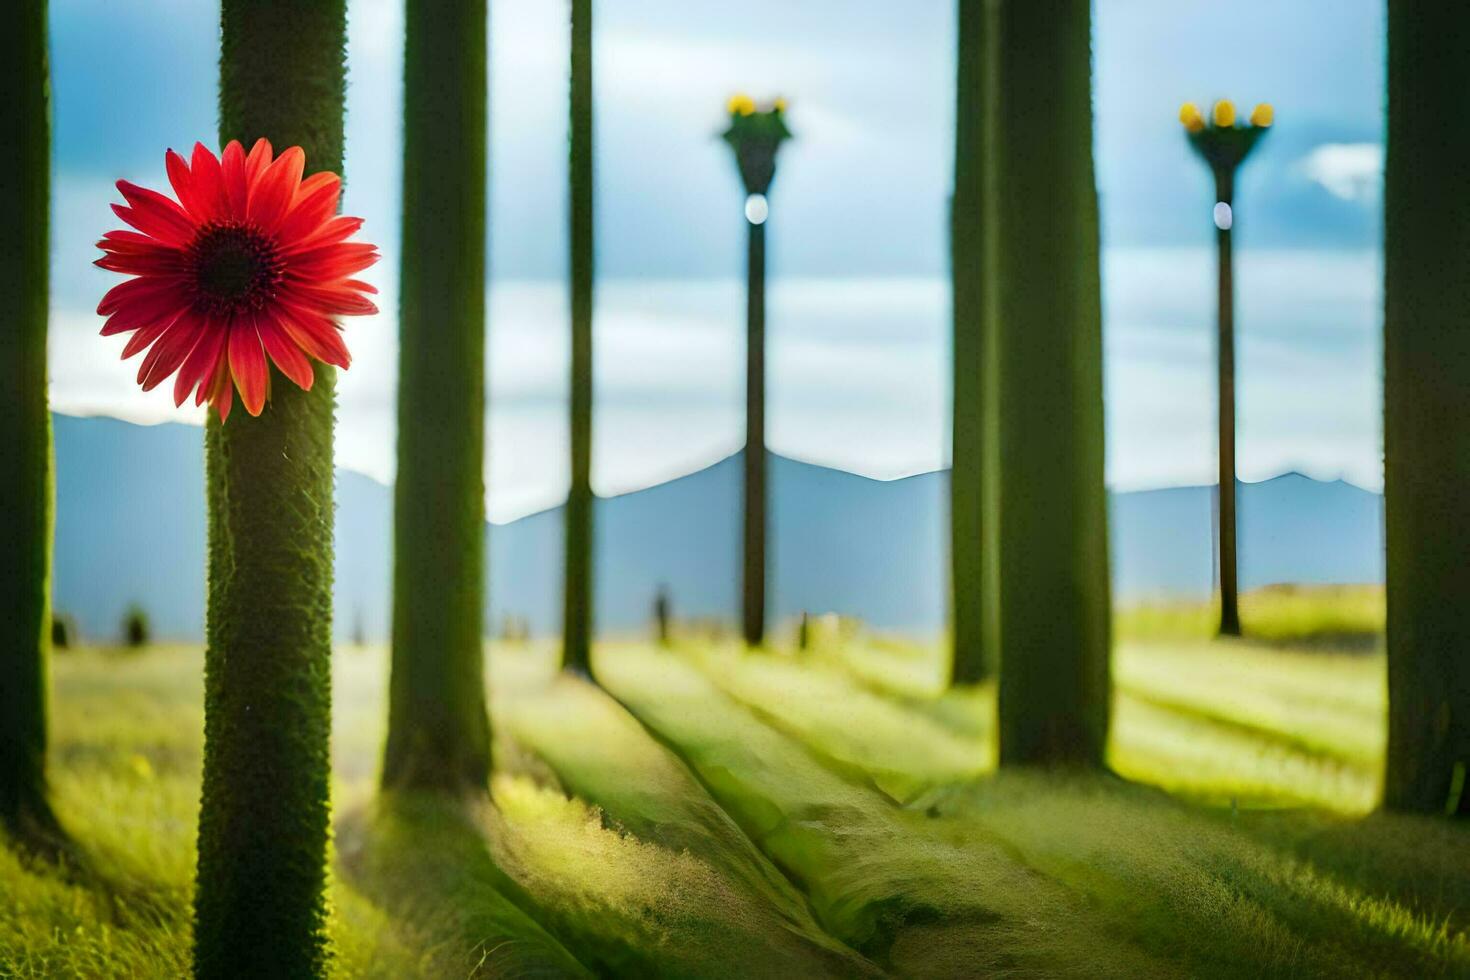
[
  {"x": 641, "y": 871},
  {"x": 425, "y": 861},
  {"x": 1283, "y": 893},
  {"x": 114, "y": 916},
  {"x": 921, "y": 896}
]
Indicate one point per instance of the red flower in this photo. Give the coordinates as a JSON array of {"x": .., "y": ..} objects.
[{"x": 251, "y": 263}]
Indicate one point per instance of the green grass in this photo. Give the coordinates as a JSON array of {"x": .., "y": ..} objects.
[{"x": 710, "y": 812}]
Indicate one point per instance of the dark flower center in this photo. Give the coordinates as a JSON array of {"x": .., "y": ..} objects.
[{"x": 233, "y": 268}]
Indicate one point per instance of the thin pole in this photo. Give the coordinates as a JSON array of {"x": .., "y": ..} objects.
[
  {"x": 755, "y": 438},
  {"x": 1229, "y": 589}
]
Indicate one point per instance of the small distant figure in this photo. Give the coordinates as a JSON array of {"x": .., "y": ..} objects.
[
  {"x": 515, "y": 629},
  {"x": 359, "y": 630},
  {"x": 804, "y": 632},
  {"x": 135, "y": 629},
  {"x": 63, "y": 632},
  {"x": 662, "y": 606}
]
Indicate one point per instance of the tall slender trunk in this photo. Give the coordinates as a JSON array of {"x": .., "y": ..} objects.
[
  {"x": 754, "y": 618},
  {"x": 577, "y": 624},
  {"x": 438, "y": 729},
  {"x": 25, "y": 424},
  {"x": 259, "y": 907},
  {"x": 1426, "y": 259},
  {"x": 1225, "y": 392},
  {"x": 1054, "y": 687},
  {"x": 973, "y": 659}
]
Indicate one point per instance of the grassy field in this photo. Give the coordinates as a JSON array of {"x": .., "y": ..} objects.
[{"x": 825, "y": 813}]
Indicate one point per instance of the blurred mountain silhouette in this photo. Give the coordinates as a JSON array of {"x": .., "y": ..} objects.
[{"x": 130, "y": 529}]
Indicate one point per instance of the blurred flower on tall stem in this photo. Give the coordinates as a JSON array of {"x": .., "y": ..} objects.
[
  {"x": 755, "y": 134},
  {"x": 1224, "y": 146}
]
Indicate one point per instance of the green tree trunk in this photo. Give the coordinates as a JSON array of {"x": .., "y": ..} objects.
[
  {"x": 259, "y": 907},
  {"x": 438, "y": 730},
  {"x": 1054, "y": 685},
  {"x": 1225, "y": 393},
  {"x": 754, "y": 618},
  {"x": 1426, "y": 259},
  {"x": 25, "y": 424},
  {"x": 577, "y": 625},
  {"x": 973, "y": 659}
]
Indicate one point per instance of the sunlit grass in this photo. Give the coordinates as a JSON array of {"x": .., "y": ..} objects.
[
  {"x": 1351, "y": 615},
  {"x": 828, "y": 812}
]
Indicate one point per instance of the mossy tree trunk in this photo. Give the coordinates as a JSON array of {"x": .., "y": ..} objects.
[
  {"x": 259, "y": 907},
  {"x": 1053, "y": 592},
  {"x": 578, "y": 597},
  {"x": 438, "y": 729},
  {"x": 973, "y": 660},
  {"x": 1426, "y": 399},
  {"x": 26, "y": 476},
  {"x": 754, "y": 570}
]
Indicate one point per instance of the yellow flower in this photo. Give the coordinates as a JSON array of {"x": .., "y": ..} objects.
[
  {"x": 1190, "y": 116},
  {"x": 1263, "y": 115},
  {"x": 779, "y": 104},
  {"x": 740, "y": 105},
  {"x": 1224, "y": 114}
]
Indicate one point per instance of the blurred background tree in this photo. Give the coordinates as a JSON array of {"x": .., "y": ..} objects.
[
  {"x": 1054, "y": 603},
  {"x": 1426, "y": 393},
  {"x": 438, "y": 727},
  {"x": 26, "y": 489},
  {"x": 577, "y": 587},
  {"x": 970, "y": 546},
  {"x": 136, "y": 632}
]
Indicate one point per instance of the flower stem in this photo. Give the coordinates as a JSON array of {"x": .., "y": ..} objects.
[{"x": 260, "y": 907}]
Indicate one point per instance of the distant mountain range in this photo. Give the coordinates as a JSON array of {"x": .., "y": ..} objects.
[{"x": 130, "y": 528}]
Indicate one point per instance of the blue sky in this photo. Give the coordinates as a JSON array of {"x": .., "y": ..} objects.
[{"x": 859, "y": 303}]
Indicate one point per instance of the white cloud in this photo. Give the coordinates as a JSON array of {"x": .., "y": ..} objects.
[{"x": 1351, "y": 171}]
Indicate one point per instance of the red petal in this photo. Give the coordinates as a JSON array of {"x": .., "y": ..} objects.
[
  {"x": 286, "y": 355},
  {"x": 125, "y": 237},
  {"x": 166, "y": 356},
  {"x": 232, "y": 175},
  {"x": 147, "y": 288},
  {"x": 157, "y": 215},
  {"x": 317, "y": 336},
  {"x": 334, "y": 230},
  {"x": 185, "y": 189},
  {"x": 219, "y": 372},
  {"x": 160, "y": 262},
  {"x": 225, "y": 394},
  {"x": 257, "y": 161},
  {"x": 136, "y": 315},
  {"x": 209, "y": 186},
  {"x": 273, "y": 192},
  {"x": 313, "y": 204},
  {"x": 332, "y": 262},
  {"x": 201, "y": 363},
  {"x": 248, "y": 365},
  {"x": 146, "y": 223},
  {"x": 146, "y": 336},
  {"x": 329, "y": 300}
]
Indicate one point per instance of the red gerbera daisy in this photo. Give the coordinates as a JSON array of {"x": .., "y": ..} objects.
[{"x": 251, "y": 263}]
